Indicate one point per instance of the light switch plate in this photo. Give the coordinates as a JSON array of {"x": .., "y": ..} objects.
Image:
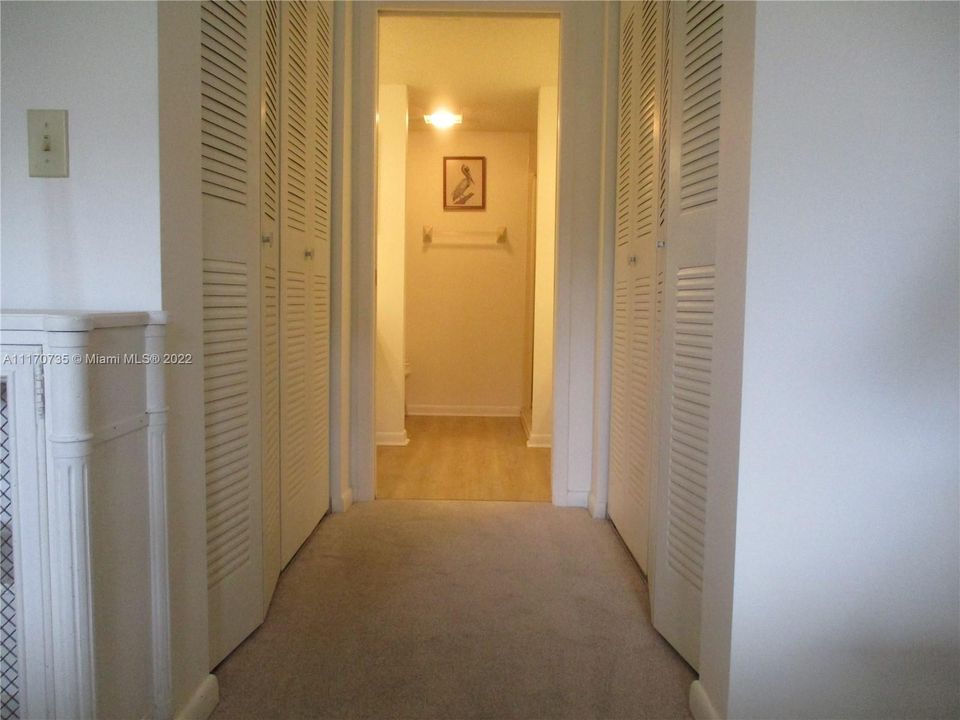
[{"x": 47, "y": 137}]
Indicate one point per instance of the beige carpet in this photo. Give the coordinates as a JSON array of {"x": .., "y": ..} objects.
[
  {"x": 448, "y": 610},
  {"x": 464, "y": 458}
]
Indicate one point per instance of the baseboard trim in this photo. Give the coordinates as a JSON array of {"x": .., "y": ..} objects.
[
  {"x": 700, "y": 704},
  {"x": 203, "y": 702},
  {"x": 346, "y": 500},
  {"x": 597, "y": 509},
  {"x": 398, "y": 439},
  {"x": 571, "y": 498},
  {"x": 465, "y": 410},
  {"x": 539, "y": 441},
  {"x": 527, "y": 421}
]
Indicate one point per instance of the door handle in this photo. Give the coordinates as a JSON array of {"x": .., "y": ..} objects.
[
  {"x": 308, "y": 254},
  {"x": 632, "y": 260},
  {"x": 267, "y": 239}
]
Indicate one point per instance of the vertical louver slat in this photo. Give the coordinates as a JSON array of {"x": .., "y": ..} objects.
[
  {"x": 625, "y": 166},
  {"x": 297, "y": 107},
  {"x": 319, "y": 372},
  {"x": 665, "y": 112},
  {"x": 640, "y": 351},
  {"x": 690, "y": 421},
  {"x": 700, "y": 111},
  {"x": 226, "y": 405},
  {"x": 294, "y": 385},
  {"x": 619, "y": 392},
  {"x": 270, "y": 399},
  {"x": 321, "y": 148},
  {"x": 646, "y": 113},
  {"x": 271, "y": 110},
  {"x": 224, "y": 91}
]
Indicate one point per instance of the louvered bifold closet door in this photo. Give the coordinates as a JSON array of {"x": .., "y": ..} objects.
[
  {"x": 696, "y": 67},
  {"x": 270, "y": 295},
  {"x": 623, "y": 274},
  {"x": 635, "y": 280},
  {"x": 318, "y": 300},
  {"x": 230, "y": 167},
  {"x": 304, "y": 268}
]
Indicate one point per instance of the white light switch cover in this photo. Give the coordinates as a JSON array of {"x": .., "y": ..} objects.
[{"x": 47, "y": 137}]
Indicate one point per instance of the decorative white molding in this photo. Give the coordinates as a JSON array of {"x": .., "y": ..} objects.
[
  {"x": 65, "y": 675},
  {"x": 71, "y": 443},
  {"x": 397, "y": 439},
  {"x": 203, "y": 702},
  {"x": 700, "y": 705},
  {"x": 120, "y": 428},
  {"x": 465, "y": 410},
  {"x": 540, "y": 441},
  {"x": 157, "y": 479}
]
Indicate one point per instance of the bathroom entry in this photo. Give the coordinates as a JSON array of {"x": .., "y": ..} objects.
[{"x": 466, "y": 207}]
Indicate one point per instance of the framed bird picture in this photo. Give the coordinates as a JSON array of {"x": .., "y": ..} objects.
[{"x": 464, "y": 183}]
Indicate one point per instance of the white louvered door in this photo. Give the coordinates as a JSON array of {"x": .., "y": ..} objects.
[
  {"x": 635, "y": 281},
  {"x": 697, "y": 61},
  {"x": 306, "y": 78},
  {"x": 270, "y": 295},
  {"x": 230, "y": 166},
  {"x": 318, "y": 301}
]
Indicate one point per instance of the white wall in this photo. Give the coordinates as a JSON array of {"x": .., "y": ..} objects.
[
  {"x": 846, "y": 595},
  {"x": 541, "y": 426},
  {"x": 465, "y": 304},
  {"x": 391, "y": 204},
  {"x": 65, "y": 240}
]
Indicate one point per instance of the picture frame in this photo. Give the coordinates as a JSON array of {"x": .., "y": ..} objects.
[{"x": 464, "y": 182}]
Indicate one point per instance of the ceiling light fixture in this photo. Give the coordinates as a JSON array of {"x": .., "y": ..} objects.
[{"x": 443, "y": 119}]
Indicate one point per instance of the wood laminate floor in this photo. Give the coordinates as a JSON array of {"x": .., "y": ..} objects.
[{"x": 464, "y": 458}]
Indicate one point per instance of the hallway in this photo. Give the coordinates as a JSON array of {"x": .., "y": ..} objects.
[
  {"x": 409, "y": 609},
  {"x": 464, "y": 458}
]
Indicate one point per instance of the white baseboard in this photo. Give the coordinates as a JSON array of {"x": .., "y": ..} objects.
[
  {"x": 398, "y": 439},
  {"x": 571, "y": 498},
  {"x": 346, "y": 500},
  {"x": 539, "y": 441},
  {"x": 465, "y": 410},
  {"x": 700, "y": 704},
  {"x": 526, "y": 419},
  {"x": 597, "y": 510},
  {"x": 204, "y": 700}
]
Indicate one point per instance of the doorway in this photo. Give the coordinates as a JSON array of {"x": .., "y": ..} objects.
[
  {"x": 466, "y": 238},
  {"x": 584, "y": 241}
]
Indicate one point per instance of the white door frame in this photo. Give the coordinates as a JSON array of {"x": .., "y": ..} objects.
[{"x": 587, "y": 142}]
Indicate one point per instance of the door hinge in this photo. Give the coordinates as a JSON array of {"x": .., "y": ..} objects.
[{"x": 38, "y": 394}]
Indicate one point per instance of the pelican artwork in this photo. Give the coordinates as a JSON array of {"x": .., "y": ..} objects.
[{"x": 460, "y": 194}]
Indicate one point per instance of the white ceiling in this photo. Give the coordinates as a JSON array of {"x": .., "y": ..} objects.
[{"x": 488, "y": 68}]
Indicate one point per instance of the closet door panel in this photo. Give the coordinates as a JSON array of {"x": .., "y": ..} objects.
[
  {"x": 230, "y": 186},
  {"x": 635, "y": 281},
  {"x": 306, "y": 92},
  {"x": 617, "y": 500},
  {"x": 319, "y": 297},
  {"x": 270, "y": 294},
  {"x": 689, "y": 281}
]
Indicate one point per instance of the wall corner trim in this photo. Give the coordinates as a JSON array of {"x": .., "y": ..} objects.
[
  {"x": 700, "y": 704},
  {"x": 543, "y": 440},
  {"x": 204, "y": 700},
  {"x": 346, "y": 500},
  {"x": 598, "y": 510}
]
